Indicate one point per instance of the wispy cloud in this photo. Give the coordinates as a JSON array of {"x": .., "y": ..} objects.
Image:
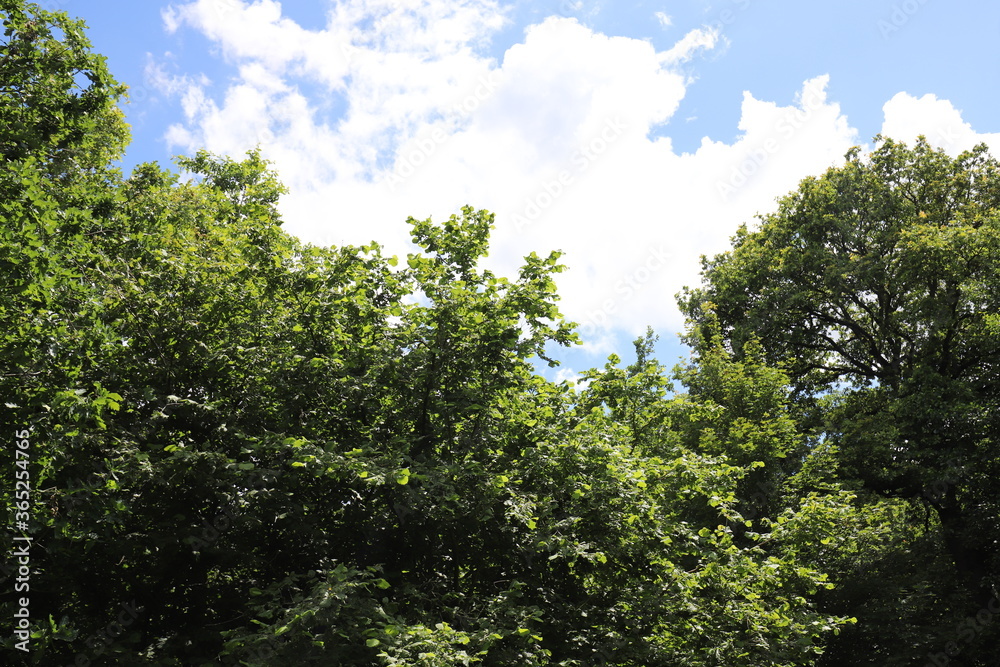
[{"x": 693, "y": 42}]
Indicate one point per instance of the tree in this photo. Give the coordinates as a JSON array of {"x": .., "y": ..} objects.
[
  {"x": 61, "y": 130},
  {"x": 249, "y": 450},
  {"x": 385, "y": 479},
  {"x": 876, "y": 286},
  {"x": 59, "y": 102}
]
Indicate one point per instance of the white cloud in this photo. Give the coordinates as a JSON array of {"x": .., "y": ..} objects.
[
  {"x": 690, "y": 44},
  {"x": 664, "y": 19},
  {"x": 571, "y": 376},
  {"x": 555, "y": 139},
  {"x": 156, "y": 75},
  {"x": 257, "y": 31},
  {"x": 907, "y": 117}
]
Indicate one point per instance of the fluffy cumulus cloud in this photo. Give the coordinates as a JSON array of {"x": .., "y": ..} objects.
[
  {"x": 907, "y": 117},
  {"x": 393, "y": 110}
]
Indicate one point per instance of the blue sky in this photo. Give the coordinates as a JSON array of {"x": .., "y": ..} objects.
[{"x": 634, "y": 136}]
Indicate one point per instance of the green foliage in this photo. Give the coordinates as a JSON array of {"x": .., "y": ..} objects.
[
  {"x": 876, "y": 286},
  {"x": 58, "y": 103},
  {"x": 287, "y": 453},
  {"x": 276, "y": 453}
]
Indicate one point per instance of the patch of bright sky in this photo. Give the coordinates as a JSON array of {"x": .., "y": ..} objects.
[
  {"x": 129, "y": 34},
  {"x": 871, "y": 50},
  {"x": 866, "y": 66}
]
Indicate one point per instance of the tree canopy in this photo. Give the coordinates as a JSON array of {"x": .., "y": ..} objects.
[
  {"x": 877, "y": 287},
  {"x": 249, "y": 450}
]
